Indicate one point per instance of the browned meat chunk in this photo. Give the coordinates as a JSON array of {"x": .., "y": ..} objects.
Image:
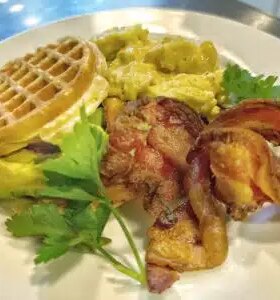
[{"x": 149, "y": 142}]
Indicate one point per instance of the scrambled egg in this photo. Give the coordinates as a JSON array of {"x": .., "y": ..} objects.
[
  {"x": 139, "y": 65},
  {"x": 198, "y": 91}
]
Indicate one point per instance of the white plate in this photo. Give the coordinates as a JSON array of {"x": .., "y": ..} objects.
[{"x": 252, "y": 270}]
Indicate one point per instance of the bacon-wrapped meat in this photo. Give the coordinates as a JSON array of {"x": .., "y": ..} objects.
[
  {"x": 261, "y": 116},
  {"x": 197, "y": 238},
  {"x": 149, "y": 141},
  {"x": 231, "y": 166},
  {"x": 245, "y": 169}
]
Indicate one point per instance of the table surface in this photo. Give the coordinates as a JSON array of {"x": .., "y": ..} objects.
[{"x": 20, "y": 15}]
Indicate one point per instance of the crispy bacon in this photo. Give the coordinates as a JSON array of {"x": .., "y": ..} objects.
[
  {"x": 149, "y": 141},
  {"x": 165, "y": 140},
  {"x": 245, "y": 169},
  {"x": 197, "y": 239},
  {"x": 261, "y": 116},
  {"x": 230, "y": 168},
  {"x": 231, "y": 164}
]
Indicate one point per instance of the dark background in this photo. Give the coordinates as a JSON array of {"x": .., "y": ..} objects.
[{"x": 19, "y": 15}]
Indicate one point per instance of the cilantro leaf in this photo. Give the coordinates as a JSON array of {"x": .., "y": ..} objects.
[
  {"x": 97, "y": 117},
  {"x": 61, "y": 231},
  {"x": 39, "y": 220},
  {"x": 51, "y": 248},
  {"x": 92, "y": 220},
  {"x": 60, "y": 186},
  {"x": 66, "y": 192},
  {"x": 78, "y": 155},
  {"x": 101, "y": 139},
  {"x": 82, "y": 151},
  {"x": 239, "y": 84},
  {"x": 74, "y": 176}
]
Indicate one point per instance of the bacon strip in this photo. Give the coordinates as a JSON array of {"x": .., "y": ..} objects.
[
  {"x": 149, "y": 142},
  {"x": 245, "y": 169},
  {"x": 261, "y": 116},
  {"x": 231, "y": 163},
  {"x": 197, "y": 239}
]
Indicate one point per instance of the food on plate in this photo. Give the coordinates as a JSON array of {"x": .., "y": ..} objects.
[
  {"x": 174, "y": 67},
  {"x": 135, "y": 44},
  {"x": 231, "y": 170},
  {"x": 240, "y": 84},
  {"x": 179, "y": 242},
  {"x": 201, "y": 93},
  {"x": 18, "y": 177},
  {"x": 78, "y": 222},
  {"x": 260, "y": 116},
  {"x": 86, "y": 126},
  {"x": 149, "y": 141},
  {"x": 39, "y": 90}
]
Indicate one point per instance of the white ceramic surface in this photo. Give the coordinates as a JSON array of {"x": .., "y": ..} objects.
[{"x": 252, "y": 270}]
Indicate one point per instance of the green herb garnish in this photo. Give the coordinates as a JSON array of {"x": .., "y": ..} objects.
[
  {"x": 74, "y": 176},
  {"x": 239, "y": 84}
]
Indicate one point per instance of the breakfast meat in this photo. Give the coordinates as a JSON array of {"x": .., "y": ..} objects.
[
  {"x": 197, "y": 237},
  {"x": 189, "y": 175},
  {"x": 160, "y": 278},
  {"x": 246, "y": 169},
  {"x": 261, "y": 116},
  {"x": 149, "y": 142},
  {"x": 229, "y": 170}
]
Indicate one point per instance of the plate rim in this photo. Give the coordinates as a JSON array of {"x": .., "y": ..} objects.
[
  {"x": 183, "y": 13},
  {"x": 154, "y": 9}
]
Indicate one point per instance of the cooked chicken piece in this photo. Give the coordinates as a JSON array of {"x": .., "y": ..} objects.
[
  {"x": 155, "y": 180},
  {"x": 197, "y": 238},
  {"x": 261, "y": 116},
  {"x": 175, "y": 241},
  {"x": 116, "y": 166},
  {"x": 245, "y": 169},
  {"x": 120, "y": 193},
  {"x": 232, "y": 168},
  {"x": 149, "y": 142},
  {"x": 165, "y": 140}
]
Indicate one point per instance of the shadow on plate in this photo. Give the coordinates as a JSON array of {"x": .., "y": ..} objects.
[
  {"x": 258, "y": 236},
  {"x": 53, "y": 271},
  {"x": 122, "y": 257},
  {"x": 262, "y": 226}
]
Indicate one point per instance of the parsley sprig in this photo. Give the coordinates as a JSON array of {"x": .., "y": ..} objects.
[
  {"x": 75, "y": 176},
  {"x": 239, "y": 84}
]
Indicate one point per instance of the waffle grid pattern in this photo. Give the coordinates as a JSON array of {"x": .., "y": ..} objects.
[{"x": 30, "y": 82}]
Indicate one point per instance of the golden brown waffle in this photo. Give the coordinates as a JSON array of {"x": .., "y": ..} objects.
[{"x": 38, "y": 87}]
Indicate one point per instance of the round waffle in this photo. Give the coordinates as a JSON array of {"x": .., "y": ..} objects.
[{"x": 39, "y": 87}]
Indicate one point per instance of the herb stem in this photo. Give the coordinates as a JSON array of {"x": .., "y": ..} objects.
[
  {"x": 127, "y": 234},
  {"x": 130, "y": 241},
  {"x": 76, "y": 241},
  {"x": 120, "y": 267}
]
